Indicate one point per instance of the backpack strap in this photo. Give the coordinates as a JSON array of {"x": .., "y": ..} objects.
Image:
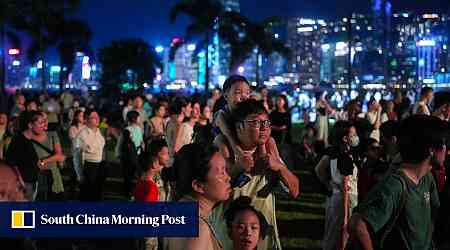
[{"x": 46, "y": 149}]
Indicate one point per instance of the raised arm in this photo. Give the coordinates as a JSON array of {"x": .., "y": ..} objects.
[{"x": 277, "y": 165}]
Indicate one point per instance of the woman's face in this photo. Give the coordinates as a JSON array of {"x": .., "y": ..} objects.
[
  {"x": 245, "y": 230},
  {"x": 280, "y": 103},
  {"x": 161, "y": 111},
  {"x": 39, "y": 126},
  {"x": 217, "y": 187},
  {"x": 93, "y": 120},
  {"x": 187, "y": 110},
  {"x": 81, "y": 117},
  {"x": 196, "y": 111},
  {"x": 207, "y": 112}
]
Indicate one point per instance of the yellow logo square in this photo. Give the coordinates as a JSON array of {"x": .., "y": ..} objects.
[{"x": 22, "y": 219}]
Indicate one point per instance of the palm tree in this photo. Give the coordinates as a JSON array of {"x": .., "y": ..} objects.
[
  {"x": 75, "y": 37},
  {"x": 130, "y": 61},
  {"x": 42, "y": 19},
  {"x": 204, "y": 14},
  {"x": 8, "y": 14},
  {"x": 209, "y": 17},
  {"x": 259, "y": 36}
]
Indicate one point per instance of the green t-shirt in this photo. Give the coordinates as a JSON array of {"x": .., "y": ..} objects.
[{"x": 415, "y": 220}]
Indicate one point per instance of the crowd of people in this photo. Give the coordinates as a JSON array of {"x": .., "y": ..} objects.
[{"x": 383, "y": 171}]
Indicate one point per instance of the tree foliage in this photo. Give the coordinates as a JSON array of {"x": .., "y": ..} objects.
[{"x": 130, "y": 61}]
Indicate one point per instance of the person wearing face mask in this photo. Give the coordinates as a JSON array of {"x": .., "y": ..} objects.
[
  {"x": 399, "y": 212},
  {"x": 337, "y": 170}
]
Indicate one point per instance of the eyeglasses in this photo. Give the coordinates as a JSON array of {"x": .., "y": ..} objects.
[{"x": 258, "y": 123}]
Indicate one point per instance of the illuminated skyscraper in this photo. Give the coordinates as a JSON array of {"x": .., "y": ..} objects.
[
  {"x": 231, "y": 5},
  {"x": 427, "y": 60},
  {"x": 15, "y": 68},
  {"x": 304, "y": 38}
]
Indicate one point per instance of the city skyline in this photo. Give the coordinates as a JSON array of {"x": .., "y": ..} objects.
[{"x": 149, "y": 20}]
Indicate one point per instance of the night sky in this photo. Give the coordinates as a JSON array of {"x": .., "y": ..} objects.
[{"x": 148, "y": 19}]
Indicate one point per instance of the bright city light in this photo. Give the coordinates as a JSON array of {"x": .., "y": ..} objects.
[
  {"x": 14, "y": 51},
  {"x": 16, "y": 63},
  {"x": 325, "y": 47},
  {"x": 55, "y": 69},
  {"x": 426, "y": 43},
  {"x": 304, "y": 29},
  {"x": 306, "y": 21},
  {"x": 191, "y": 47},
  {"x": 241, "y": 69},
  {"x": 159, "y": 49},
  {"x": 39, "y": 64}
]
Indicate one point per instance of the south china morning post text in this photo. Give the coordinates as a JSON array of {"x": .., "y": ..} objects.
[
  {"x": 92, "y": 219},
  {"x": 99, "y": 220}
]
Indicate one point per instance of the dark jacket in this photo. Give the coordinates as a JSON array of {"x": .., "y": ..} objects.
[{"x": 21, "y": 154}]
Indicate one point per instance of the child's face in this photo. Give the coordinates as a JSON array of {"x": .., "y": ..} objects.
[
  {"x": 245, "y": 230},
  {"x": 238, "y": 92}
]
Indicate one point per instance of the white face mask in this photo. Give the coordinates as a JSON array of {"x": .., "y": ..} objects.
[{"x": 354, "y": 141}]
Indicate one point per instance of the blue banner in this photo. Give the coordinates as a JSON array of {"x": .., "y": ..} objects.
[{"x": 98, "y": 220}]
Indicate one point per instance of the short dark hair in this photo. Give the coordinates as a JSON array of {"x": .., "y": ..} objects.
[
  {"x": 157, "y": 106},
  {"x": 27, "y": 117},
  {"x": 151, "y": 152},
  {"x": 132, "y": 116},
  {"x": 425, "y": 90},
  {"x": 389, "y": 129},
  {"x": 177, "y": 105},
  {"x": 88, "y": 112},
  {"x": 418, "y": 134},
  {"x": 246, "y": 108},
  {"x": 230, "y": 81},
  {"x": 191, "y": 163},
  {"x": 243, "y": 203},
  {"x": 339, "y": 131}
]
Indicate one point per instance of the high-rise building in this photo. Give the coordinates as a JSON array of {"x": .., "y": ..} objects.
[
  {"x": 427, "y": 60},
  {"x": 15, "y": 68},
  {"x": 304, "y": 38},
  {"x": 183, "y": 67},
  {"x": 220, "y": 51},
  {"x": 403, "y": 64},
  {"x": 231, "y": 5},
  {"x": 420, "y": 43}
]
